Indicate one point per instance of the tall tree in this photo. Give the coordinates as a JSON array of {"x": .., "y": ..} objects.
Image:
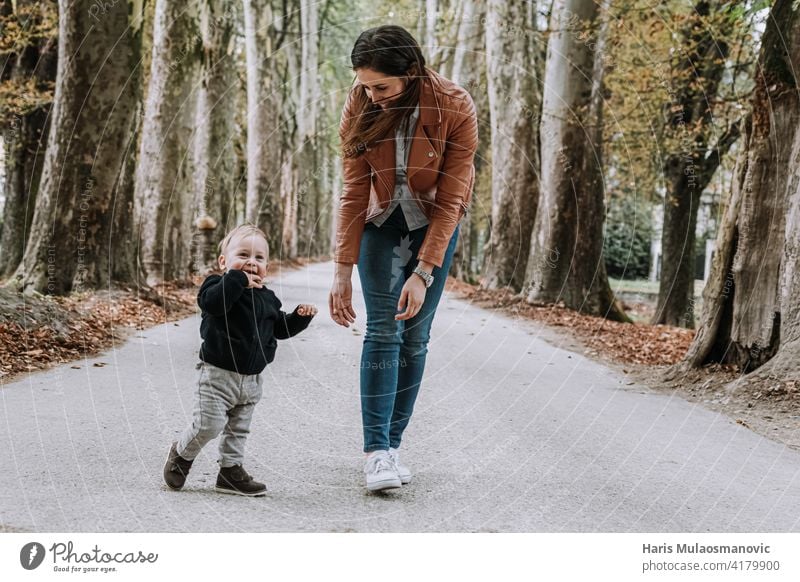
[
  {"x": 311, "y": 153},
  {"x": 514, "y": 104},
  {"x": 29, "y": 50},
  {"x": 81, "y": 231},
  {"x": 566, "y": 262},
  {"x": 469, "y": 71},
  {"x": 692, "y": 157},
  {"x": 451, "y": 33},
  {"x": 164, "y": 174},
  {"x": 751, "y": 308},
  {"x": 263, "y": 122},
  {"x": 214, "y": 158},
  {"x": 431, "y": 44},
  {"x": 302, "y": 160}
]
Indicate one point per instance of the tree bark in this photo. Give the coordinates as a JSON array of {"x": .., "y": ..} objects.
[
  {"x": 469, "y": 71},
  {"x": 308, "y": 159},
  {"x": 80, "y": 227},
  {"x": 514, "y": 104},
  {"x": 24, "y": 138},
  {"x": 687, "y": 172},
  {"x": 263, "y": 124},
  {"x": 164, "y": 176},
  {"x": 751, "y": 304},
  {"x": 566, "y": 262},
  {"x": 431, "y": 42},
  {"x": 214, "y": 158}
]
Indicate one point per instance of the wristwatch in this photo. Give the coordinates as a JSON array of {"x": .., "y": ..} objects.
[{"x": 426, "y": 276}]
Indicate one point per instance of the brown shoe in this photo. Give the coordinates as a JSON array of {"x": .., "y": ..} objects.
[
  {"x": 236, "y": 481},
  {"x": 176, "y": 469}
]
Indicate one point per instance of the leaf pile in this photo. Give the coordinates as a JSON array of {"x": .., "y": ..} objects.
[
  {"x": 635, "y": 343},
  {"x": 38, "y": 331}
]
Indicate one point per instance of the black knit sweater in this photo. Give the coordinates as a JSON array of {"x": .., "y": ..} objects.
[{"x": 240, "y": 324}]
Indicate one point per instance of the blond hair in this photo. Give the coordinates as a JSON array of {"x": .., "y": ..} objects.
[{"x": 246, "y": 229}]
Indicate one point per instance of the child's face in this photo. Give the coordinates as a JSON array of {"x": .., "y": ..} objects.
[{"x": 247, "y": 253}]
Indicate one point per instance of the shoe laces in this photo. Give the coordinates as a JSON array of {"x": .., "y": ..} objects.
[
  {"x": 381, "y": 463},
  {"x": 181, "y": 465}
]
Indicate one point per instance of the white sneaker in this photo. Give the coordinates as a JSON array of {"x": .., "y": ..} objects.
[
  {"x": 402, "y": 471},
  {"x": 380, "y": 471}
]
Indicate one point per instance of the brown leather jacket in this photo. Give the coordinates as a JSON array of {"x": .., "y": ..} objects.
[{"x": 440, "y": 171}]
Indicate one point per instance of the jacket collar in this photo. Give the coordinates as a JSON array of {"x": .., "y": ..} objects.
[{"x": 430, "y": 111}]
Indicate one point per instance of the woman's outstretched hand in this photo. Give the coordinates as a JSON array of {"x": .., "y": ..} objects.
[{"x": 340, "y": 299}]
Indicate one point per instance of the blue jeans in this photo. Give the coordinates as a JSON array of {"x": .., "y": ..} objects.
[{"x": 393, "y": 356}]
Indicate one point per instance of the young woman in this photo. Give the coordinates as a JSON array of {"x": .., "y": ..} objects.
[{"x": 408, "y": 143}]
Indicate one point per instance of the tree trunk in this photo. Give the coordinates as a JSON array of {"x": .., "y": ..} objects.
[
  {"x": 566, "y": 261},
  {"x": 514, "y": 105},
  {"x": 287, "y": 70},
  {"x": 687, "y": 172},
  {"x": 214, "y": 162},
  {"x": 164, "y": 177},
  {"x": 751, "y": 302},
  {"x": 263, "y": 125},
  {"x": 23, "y": 140},
  {"x": 786, "y": 363},
  {"x": 430, "y": 42},
  {"x": 307, "y": 158},
  {"x": 468, "y": 70},
  {"x": 78, "y": 230},
  {"x": 290, "y": 197},
  {"x": 25, "y": 135},
  {"x": 421, "y": 23}
]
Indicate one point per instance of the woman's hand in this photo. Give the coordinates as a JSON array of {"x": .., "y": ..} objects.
[
  {"x": 340, "y": 299},
  {"x": 412, "y": 296}
]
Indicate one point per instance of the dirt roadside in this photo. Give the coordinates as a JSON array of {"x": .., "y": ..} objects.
[{"x": 39, "y": 331}]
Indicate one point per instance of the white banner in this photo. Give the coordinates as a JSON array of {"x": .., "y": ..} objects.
[{"x": 400, "y": 557}]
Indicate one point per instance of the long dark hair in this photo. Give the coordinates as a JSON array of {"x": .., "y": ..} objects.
[{"x": 389, "y": 50}]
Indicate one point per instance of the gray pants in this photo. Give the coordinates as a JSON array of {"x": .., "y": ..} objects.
[{"x": 224, "y": 403}]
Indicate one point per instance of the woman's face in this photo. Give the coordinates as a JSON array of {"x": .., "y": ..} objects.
[{"x": 381, "y": 89}]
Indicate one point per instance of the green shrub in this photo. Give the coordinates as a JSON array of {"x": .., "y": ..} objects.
[{"x": 626, "y": 244}]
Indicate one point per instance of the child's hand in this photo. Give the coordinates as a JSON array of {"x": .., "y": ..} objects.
[
  {"x": 254, "y": 280},
  {"x": 306, "y": 310}
]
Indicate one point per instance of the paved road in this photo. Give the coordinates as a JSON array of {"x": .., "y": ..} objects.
[{"x": 511, "y": 433}]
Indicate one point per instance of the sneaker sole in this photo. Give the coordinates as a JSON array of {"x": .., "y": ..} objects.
[
  {"x": 405, "y": 480},
  {"x": 388, "y": 484},
  {"x": 242, "y": 493}
]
